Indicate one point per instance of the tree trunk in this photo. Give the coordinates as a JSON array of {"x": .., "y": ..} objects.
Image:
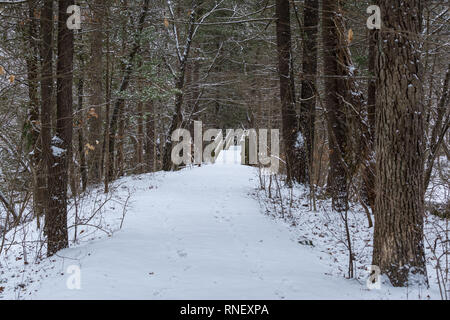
[
  {"x": 369, "y": 165},
  {"x": 150, "y": 146},
  {"x": 120, "y": 143},
  {"x": 96, "y": 94},
  {"x": 439, "y": 130},
  {"x": 46, "y": 96},
  {"x": 32, "y": 123},
  {"x": 337, "y": 182},
  {"x": 288, "y": 114},
  {"x": 56, "y": 223},
  {"x": 80, "y": 123},
  {"x": 140, "y": 138},
  {"x": 177, "y": 118},
  {"x": 308, "y": 96},
  {"x": 106, "y": 142},
  {"x": 399, "y": 205}
]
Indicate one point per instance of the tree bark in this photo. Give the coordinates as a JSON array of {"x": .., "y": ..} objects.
[
  {"x": 96, "y": 93},
  {"x": 140, "y": 138},
  {"x": 288, "y": 114},
  {"x": 32, "y": 123},
  {"x": 46, "y": 52},
  {"x": 120, "y": 165},
  {"x": 337, "y": 130},
  {"x": 56, "y": 224},
  {"x": 369, "y": 165},
  {"x": 106, "y": 143},
  {"x": 150, "y": 146},
  {"x": 399, "y": 204},
  {"x": 177, "y": 118},
  {"x": 308, "y": 95},
  {"x": 80, "y": 123},
  {"x": 439, "y": 130}
]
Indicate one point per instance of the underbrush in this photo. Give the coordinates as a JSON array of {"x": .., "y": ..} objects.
[
  {"x": 345, "y": 242},
  {"x": 92, "y": 215}
]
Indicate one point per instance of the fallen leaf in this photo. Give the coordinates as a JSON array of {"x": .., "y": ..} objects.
[
  {"x": 350, "y": 36},
  {"x": 92, "y": 113},
  {"x": 88, "y": 147}
]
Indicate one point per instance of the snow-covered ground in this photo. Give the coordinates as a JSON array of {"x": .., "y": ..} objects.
[{"x": 199, "y": 233}]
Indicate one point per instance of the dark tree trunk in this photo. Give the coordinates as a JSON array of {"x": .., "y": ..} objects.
[
  {"x": 80, "y": 129},
  {"x": 308, "y": 95},
  {"x": 46, "y": 96},
  {"x": 439, "y": 130},
  {"x": 32, "y": 123},
  {"x": 150, "y": 148},
  {"x": 140, "y": 138},
  {"x": 120, "y": 143},
  {"x": 337, "y": 181},
  {"x": 288, "y": 114},
  {"x": 56, "y": 222},
  {"x": 369, "y": 164},
  {"x": 399, "y": 205},
  {"x": 196, "y": 94},
  {"x": 105, "y": 149},
  {"x": 177, "y": 118},
  {"x": 96, "y": 93}
]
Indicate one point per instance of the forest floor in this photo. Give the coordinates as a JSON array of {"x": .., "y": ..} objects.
[{"x": 199, "y": 233}]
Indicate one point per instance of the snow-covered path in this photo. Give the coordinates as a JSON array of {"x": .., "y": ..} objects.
[{"x": 199, "y": 235}]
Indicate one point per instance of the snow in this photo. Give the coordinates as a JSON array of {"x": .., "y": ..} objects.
[
  {"x": 57, "y": 152},
  {"x": 300, "y": 141},
  {"x": 199, "y": 233}
]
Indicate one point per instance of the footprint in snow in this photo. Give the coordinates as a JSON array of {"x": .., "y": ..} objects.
[{"x": 182, "y": 253}]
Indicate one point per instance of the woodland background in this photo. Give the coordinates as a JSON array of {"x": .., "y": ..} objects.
[{"x": 81, "y": 109}]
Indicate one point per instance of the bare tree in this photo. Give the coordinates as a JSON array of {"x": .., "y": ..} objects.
[
  {"x": 309, "y": 91},
  {"x": 96, "y": 92},
  {"x": 399, "y": 205},
  {"x": 46, "y": 93},
  {"x": 289, "y": 117},
  {"x": 337, "y": 126},
  {"x": 56, "y": 220}
]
